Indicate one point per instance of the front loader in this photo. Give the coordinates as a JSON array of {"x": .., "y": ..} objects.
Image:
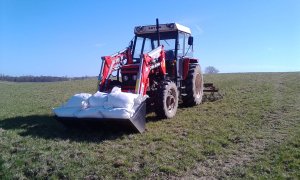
[{"x": 159, "y": 64}]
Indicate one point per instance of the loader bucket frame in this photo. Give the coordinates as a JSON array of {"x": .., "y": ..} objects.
[{"x": 135, "y": 124}]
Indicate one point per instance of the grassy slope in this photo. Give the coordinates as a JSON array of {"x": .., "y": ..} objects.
[{"x": 252, "y": 132}]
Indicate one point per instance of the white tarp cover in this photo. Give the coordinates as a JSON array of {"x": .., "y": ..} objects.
[
  {"x": 98, "y": 99},
  {"x": 76, "y": 100},
  {"x": 120, "y": 99},
  {"x": 117, "y": 104}
]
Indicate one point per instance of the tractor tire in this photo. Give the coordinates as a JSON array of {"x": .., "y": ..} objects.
[
  {"x": 193, "y": 86},
  {"x": 166, "y": 103}
]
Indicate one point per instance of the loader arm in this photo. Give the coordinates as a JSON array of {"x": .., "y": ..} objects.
[
  {"x": 151, "y": 62},
  {"x": 110, "y": 64}
]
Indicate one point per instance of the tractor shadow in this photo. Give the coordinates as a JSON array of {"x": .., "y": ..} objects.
[{"x": 46, "y": 127}]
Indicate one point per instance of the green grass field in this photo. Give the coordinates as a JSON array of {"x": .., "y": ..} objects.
[{"x": 253, "y": 132}]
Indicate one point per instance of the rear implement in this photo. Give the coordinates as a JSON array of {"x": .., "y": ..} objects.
[{"x": 211, "y": 93}]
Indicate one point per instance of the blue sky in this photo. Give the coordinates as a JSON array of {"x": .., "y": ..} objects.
[{"x": 68, "y": 38}]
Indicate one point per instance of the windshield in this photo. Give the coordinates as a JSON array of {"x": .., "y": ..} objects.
[
  {"x": 137, "y": 48},
  {"x": 144, "y": 45},
  {"x": 169, "y": 44}
]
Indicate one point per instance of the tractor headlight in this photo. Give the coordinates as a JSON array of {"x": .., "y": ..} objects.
[
  {"x": 125, "y": 78},
  {"x": 139, "y": 28},
  {"x": 171, "y": 25}
]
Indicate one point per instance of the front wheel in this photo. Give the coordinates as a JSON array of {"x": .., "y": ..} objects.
[{"x": 166, "y": 103}]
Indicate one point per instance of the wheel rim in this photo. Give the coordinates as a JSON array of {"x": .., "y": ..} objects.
[
  {"x": 171, "y": 100},
  {"x": 198, "y": 82}
]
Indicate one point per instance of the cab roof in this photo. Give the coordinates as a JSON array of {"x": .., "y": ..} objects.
[{"x": 171, "y": 27}]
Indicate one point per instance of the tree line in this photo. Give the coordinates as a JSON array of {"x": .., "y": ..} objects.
[
  {"x": 211, "y": 70},
  {"x": 39, "y": 78},
  {"x": 208, "y": 70}
]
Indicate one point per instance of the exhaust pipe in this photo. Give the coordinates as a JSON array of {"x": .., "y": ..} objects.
[{"x": 157, "y": 31}]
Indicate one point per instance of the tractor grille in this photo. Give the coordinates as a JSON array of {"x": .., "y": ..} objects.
[{"x": 129, "y": 76}]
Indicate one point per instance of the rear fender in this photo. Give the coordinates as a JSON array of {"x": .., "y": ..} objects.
[{"x": 186, "y": 67}]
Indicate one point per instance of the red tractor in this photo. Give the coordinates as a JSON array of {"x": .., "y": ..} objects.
[{"x": 158, "y": 62}]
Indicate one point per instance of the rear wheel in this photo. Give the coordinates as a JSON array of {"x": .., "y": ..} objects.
[
  {"x": 193, "y": 86},
  {"x": 166, "y": 103}
]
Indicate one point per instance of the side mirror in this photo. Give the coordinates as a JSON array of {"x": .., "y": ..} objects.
[{"x": 190, "y": 40}]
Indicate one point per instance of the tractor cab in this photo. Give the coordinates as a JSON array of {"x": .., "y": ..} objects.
[
  {"x": 175, "y": 38},
  {"x": 177, "y": 44},
  {"x": 176, "y": 41}
]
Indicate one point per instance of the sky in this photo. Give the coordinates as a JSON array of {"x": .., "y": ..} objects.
[{"x": 68, "y": 38}]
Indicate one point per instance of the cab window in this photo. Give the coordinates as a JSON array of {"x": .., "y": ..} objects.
[
  {"x": 180, "y": 45},
  {"x": 188, "y": 49},
  {"x": 138, "y": 48},
  {"x": 147, "y": 46}
]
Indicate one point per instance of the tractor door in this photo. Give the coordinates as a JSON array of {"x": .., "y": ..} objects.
[{"x": 184, "y": 51}]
